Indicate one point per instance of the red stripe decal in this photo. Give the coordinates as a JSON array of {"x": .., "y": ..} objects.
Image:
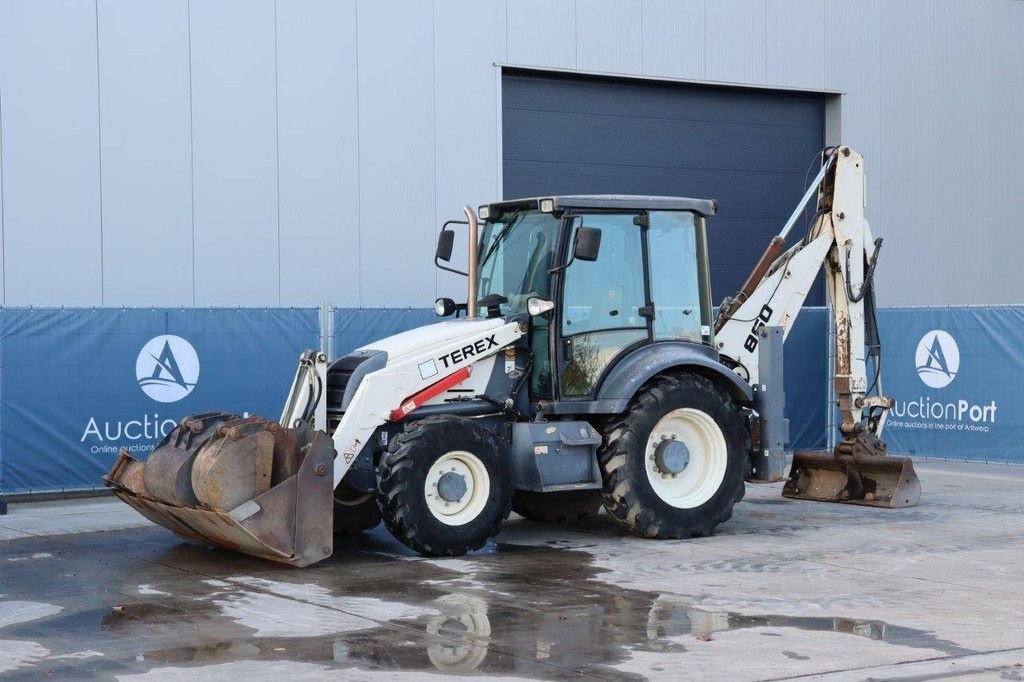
[{"x": 430, "y": 392}]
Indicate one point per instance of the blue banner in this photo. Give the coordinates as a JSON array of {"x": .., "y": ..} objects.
[
  {"x": 356, "y": 327},
  {"x": 76, "y": 385},
  {"x": 956, "y": 375},
  {"x": 805, "y": 365}
]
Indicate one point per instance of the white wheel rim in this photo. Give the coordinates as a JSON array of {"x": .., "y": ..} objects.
[
  {"x": 464, "y": 631},
  {"x": 474, "y": 499},
  {"x": 701, "y": 477}
]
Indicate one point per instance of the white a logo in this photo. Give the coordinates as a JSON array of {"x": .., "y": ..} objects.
[
  {"x": 167, "y": 368},
  {"x": 937, "y": 359}
]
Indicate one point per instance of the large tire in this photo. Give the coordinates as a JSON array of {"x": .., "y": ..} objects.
[
  {"x": 569, "y": 505},
  {"x": 411, "y": 470},
  {"x": 649, "y": 499},
  {"x": 354, "y": 511}
]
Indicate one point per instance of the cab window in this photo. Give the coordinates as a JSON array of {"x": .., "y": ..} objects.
[
  {"x": 601, "y": 303},
  {"x": 675, "y": 276}
]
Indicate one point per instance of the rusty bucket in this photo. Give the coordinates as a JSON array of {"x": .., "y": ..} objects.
[
  {"x": 245, "y": 484},
  {"x": 868, "y": 479}
]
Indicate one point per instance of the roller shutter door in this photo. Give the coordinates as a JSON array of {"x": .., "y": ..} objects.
[{"x": 749, "y": 149}]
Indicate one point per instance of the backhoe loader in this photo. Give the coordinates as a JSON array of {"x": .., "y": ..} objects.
[{"x": 586, "y": 368}]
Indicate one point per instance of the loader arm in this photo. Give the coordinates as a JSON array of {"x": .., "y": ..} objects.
[
  {"x": 839, "y": 241},
  {"x": 305, "y": 398},
  {"x": 391, "y": 393}
]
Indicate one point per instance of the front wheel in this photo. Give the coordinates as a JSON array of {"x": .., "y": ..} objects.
[
  {"x": 442, "y": 488},
  {"x": 673, "y": 463}
]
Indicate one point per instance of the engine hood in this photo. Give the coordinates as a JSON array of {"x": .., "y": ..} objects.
[{"x": 432, "y": 336}]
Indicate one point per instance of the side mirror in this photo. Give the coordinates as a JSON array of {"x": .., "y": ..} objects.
[
  {"x": 587, "y": 244},
  {"x": 445, "y": 243}
]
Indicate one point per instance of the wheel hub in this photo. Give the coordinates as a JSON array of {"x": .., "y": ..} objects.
[
  {"x": 451, "y": 486},
  {"x": 671, "y": 456},
  {"x": 457, "y": 488}
]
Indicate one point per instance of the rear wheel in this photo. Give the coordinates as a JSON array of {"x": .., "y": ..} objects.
[
  {"x": 673, "y": 463},
  {"x": 569, "y": 505},
  {"x": 442, "y": 487},
  {"x": 354, "y": 511}
]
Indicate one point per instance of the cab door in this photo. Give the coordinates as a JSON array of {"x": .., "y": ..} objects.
[
  {"x": 679, "y": 283},
  {"x": 605, "y": 308}
]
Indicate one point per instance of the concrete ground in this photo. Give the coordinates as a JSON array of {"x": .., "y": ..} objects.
[{"x": 786, "y": 589}]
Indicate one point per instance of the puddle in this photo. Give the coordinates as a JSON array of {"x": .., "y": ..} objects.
[
  {"x": 530, "y": 611},
  {"x": 37, "y": 555}
]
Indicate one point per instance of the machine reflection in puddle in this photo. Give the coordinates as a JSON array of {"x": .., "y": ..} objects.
[{"x": 485, "y": 617}]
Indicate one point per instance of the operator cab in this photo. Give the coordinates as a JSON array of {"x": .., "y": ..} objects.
[{"x": 606, "y": 273}]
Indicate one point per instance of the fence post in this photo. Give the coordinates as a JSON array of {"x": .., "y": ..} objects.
[
  {"x": 830, "y": 372},
  {"x": 322, "y": 321},
  {"x": 330, "y": 331}
]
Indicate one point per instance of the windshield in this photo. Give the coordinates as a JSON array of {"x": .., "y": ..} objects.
[{"x": 515, "y": 256}]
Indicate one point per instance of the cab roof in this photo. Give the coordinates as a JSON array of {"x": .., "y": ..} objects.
[{"x": 630, "y": 202}]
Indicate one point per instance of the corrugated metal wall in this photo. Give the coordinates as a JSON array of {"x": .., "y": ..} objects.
[
  {"x": 228, "y": 152},
  {"x": 747, "y": 149}
]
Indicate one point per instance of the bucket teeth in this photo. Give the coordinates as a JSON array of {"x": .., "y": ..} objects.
[{"x": 245, "y": 484}]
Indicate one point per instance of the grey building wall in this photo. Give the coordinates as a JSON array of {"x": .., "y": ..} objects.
[{"x": 253, "y": 152}]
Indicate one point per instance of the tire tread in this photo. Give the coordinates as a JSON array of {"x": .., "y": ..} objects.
[
  {"x": 616, "y": 457},
  {"x": 395, "y": 472}
]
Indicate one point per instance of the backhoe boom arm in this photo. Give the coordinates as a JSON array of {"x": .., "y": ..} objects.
[{"x": 840, "y": 241}]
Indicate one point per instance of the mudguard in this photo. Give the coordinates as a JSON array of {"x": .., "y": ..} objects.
[{"x": 633, "y": 371}]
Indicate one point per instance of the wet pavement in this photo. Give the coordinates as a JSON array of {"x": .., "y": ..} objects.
[{"x": 786, "y": 589}]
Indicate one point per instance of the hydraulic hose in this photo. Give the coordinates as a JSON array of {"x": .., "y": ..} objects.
[{"x": 868, "y": 276}]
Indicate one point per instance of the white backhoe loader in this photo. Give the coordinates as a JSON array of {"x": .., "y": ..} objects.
[{"x": 585, "y": 369}]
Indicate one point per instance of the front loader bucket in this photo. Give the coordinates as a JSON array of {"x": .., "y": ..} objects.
[
  {"x": 245, "y": 484},
  {"x": 868, "y": 479}
]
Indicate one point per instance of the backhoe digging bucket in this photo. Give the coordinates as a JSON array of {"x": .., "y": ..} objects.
[
  {"x": 245, "y": 484},
  {"x": 855, "y": 478}
]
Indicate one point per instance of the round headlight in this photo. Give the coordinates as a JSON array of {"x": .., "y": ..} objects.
[
  {"x": 443, "y": 307},
  {"x": 538, "y": 306}
]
